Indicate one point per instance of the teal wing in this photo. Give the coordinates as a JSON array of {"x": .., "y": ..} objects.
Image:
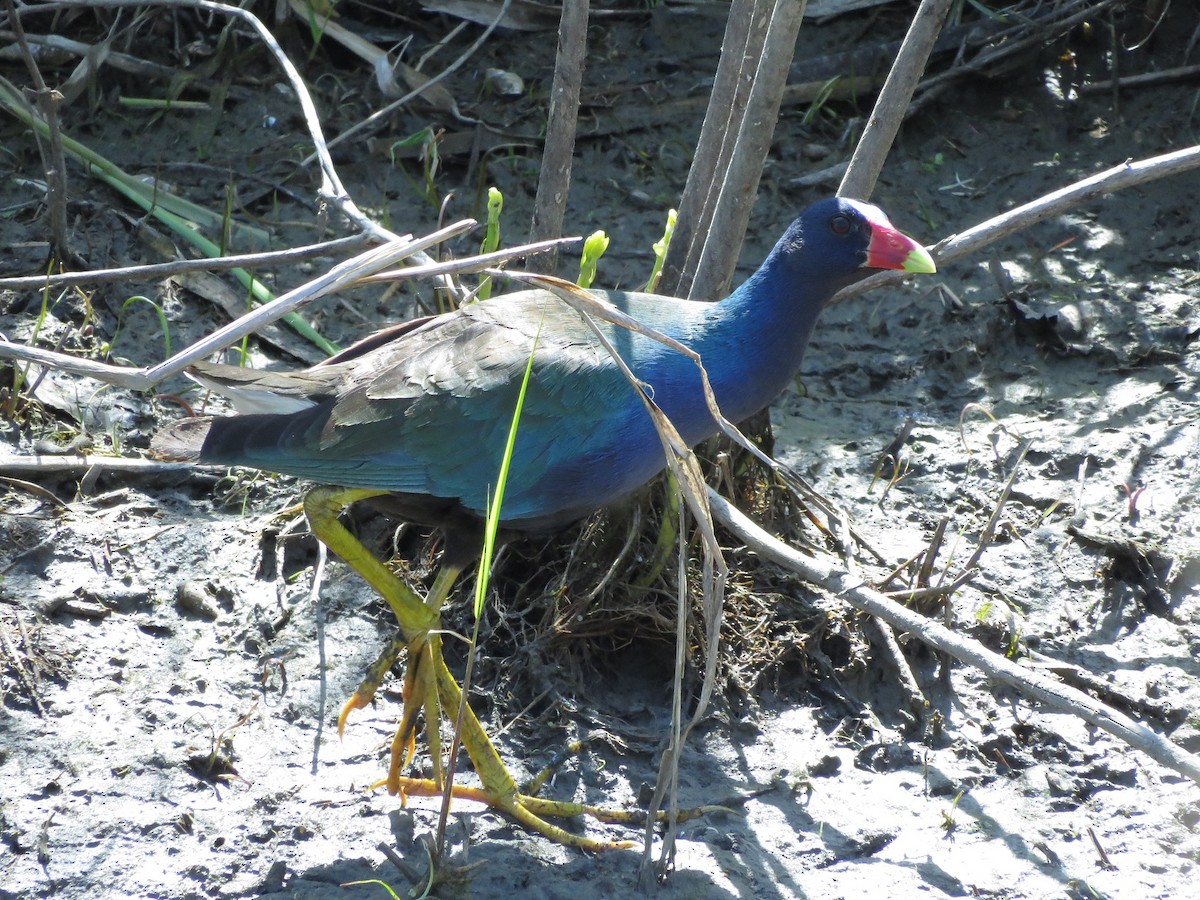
[{"x": 430, "y": 413}]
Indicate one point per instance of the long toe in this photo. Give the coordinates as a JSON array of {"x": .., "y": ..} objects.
[{"x": 365, "y": 693}]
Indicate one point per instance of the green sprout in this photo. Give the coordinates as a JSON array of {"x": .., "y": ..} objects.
[
  {"x": 482, "y": 579},
  {"x": 491, "y": 238},
  {"x": 426, "y": 142},
  {"x": 593, "y": 249},
  {"x": 660, "y": 248},
  {"x": 492, "y": 523}
]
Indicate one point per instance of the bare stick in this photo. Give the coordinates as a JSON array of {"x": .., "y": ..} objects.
[
  {"x": 121, "y": 61},
  {"x": 175, "y": 267},
  {"x": 1145, "y": 79},
  {"x": 337, "y": 278},
  {"x": 825, "y": 572},
  {"x": 44, "y": 465},
  {"x": 725, "y": 105},
  {"x": 731, "y": 86},
  {"x": 729, "y": 109},
  {"x": 364, "y": 267},
  {"x": 1128, "y": 174},
  {"x": 26, "y": 671},
  {"x": 52, "y": 152},
  {"x": 892, "y": 103},
  {"x": 739, "y": 182},
  {"x": 554, "y": 183}
]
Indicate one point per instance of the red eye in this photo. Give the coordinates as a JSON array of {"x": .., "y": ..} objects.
[{"x": 839, "y": 225}]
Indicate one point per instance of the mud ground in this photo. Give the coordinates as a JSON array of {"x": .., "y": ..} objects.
[{"x": 152, "y": 623}]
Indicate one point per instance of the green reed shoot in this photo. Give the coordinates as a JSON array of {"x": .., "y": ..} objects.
[
  {"x": 660, "y": 248},
  {"x": 491, "y": 237},
  {"x": 593, "y": 249}
]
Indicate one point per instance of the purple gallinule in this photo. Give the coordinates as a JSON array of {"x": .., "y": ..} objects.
[{"x": 415, "y": 419}]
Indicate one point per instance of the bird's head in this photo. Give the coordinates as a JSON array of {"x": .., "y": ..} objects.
[{"x": 839, "y": 237}]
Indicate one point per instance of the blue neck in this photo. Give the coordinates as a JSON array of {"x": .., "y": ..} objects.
[{"x": 755, "y": 342}]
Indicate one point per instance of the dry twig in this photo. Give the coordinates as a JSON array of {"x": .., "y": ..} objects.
[
  {"x": 893, "y": 101},
  {"x": 53, "y": 157},
  {"x": 178, "y": 266},
  {"x": 554, "y": 182},
  {"x": 760, "y": 40},
  {"x": 830, "y": 577},
  {"x": 1126, "y": 175},
  {"x": 365, "y": 267}
]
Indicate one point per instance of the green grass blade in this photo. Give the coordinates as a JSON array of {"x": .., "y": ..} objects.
[
  {"x": 492, "y": 526},
  {"x": 158, "y": 311}
]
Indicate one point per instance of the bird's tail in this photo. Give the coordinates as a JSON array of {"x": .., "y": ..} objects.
[
  {"x": 182, "y": 441},
  {"x": 274, "y": 443}
]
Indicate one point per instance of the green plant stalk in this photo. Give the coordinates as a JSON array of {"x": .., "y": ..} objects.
[
  {"x": 593, "y": 249},
  {"x": 660, "y": 248},
  {"x": 433, "y": 162},
  {"x": 416, "y": 139},
  {"x": 243, "y": 348},
  {"x": 176, "y": 213},
  {"x": 155, "y": 103},
  {"x": 491, "y": 237},
  {"x": 316, "y": 28},
  {"x": 427, "y": 141},
  {"x": 990, "y": 13},
  {"x": 131, "y": 187},
  {"x": 256, "y": 288},
  {"x": 820, "y": 100}
]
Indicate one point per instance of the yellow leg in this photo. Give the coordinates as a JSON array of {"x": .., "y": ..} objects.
[
  {"x": 418, "y": 686},
  {"x": 430, "y": 686}
]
